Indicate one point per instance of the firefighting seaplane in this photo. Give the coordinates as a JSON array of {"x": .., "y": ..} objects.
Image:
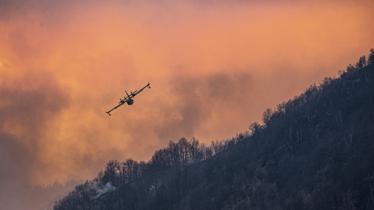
[{"x": 128, "y": 99}]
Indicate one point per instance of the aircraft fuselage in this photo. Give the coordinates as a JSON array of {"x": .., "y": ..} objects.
[{"x": 130, "y": 101}]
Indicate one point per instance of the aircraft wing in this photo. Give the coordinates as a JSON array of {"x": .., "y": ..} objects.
[
  {"x": 118, "y": 105},
  {"x": 140, "y": 90}
]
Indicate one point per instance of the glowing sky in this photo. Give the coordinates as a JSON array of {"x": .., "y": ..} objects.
[{"x": 214, "y": 68}]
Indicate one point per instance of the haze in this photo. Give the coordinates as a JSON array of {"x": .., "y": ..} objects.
[{"x": 214, "y": 68}]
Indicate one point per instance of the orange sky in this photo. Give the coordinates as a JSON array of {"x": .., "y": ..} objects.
[{"x": 214, "y": 68}]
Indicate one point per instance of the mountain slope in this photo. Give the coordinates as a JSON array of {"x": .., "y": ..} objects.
[{"x": 312, "y": 152}]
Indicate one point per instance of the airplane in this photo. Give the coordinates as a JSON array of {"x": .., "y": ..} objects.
[{"x": 128, "y": 99}]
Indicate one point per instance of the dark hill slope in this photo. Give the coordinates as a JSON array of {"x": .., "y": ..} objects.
[{"x": 313, "y": 152}]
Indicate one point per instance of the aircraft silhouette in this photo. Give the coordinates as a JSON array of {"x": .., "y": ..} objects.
[{"x": 129, "y": 98}]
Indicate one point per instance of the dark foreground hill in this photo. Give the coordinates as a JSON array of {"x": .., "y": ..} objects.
[{"x": 313, "y": 152}]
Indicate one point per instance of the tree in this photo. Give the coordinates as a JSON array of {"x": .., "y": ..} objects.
[
  {"x": 371, "y": 57},
  {"x": 130, "y": 170},
  {"x": 350, "y": 68},
  {"x": 361, "y": 62},
  {"x": 266, "y": 116},
  {"x": 254, "y": 128},
  {"x": 111, "y": 173},
  {"x": 178, "y": 154}
]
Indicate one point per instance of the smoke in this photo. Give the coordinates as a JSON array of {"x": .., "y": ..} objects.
[
  {"x": 29, "y": 103},
  {"x": 199, "y": 99},
  {"x": 214, "y": 66}
]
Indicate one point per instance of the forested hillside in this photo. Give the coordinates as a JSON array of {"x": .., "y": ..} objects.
[{"x": 315, "y": 151}]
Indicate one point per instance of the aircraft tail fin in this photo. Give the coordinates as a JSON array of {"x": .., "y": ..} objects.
[{"x": 127, "y": 93}]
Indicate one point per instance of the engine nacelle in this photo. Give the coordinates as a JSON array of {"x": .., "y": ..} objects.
[{"x": 130, "y": 101}]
